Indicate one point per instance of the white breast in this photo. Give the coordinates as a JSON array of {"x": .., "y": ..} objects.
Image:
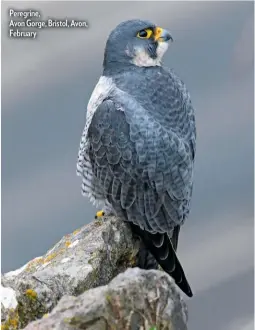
[{"x": 103, "y": 89}]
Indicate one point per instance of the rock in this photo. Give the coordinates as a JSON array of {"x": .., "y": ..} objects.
[
  {"x": 88, "y": 258},
  {"x": 135, "y": 299}
]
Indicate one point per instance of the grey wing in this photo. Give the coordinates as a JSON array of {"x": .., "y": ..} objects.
[
  {"x": 189, "y": 110},
  {"x": 144, "y": 171}
]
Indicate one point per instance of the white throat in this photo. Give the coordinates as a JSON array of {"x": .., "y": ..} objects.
[{"x": 143, "y": 59}]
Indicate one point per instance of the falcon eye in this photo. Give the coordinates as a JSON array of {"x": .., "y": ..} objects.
[{"x": 144, "y": 34}]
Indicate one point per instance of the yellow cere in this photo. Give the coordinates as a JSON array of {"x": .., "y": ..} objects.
[{"x": 158, "y": 32}]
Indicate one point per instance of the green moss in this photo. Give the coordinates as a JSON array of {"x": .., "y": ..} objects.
[
  {"x": 75, "y": 320},
  {"x": 108, "y": 297},
  {"x": 127, "y": 260},
  {"x": 67, "y": 320},
  {"x": 133, "y": 259}
]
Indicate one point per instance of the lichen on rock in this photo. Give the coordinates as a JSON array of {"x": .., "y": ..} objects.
[
  {"x": 90, "y": 257},
  {"x": 135, "y": 299}
]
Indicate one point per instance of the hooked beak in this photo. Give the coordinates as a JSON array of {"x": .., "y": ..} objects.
[{"x": 162, "y": 35}]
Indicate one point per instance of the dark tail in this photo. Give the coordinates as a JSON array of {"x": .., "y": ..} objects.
[
  {"x": 162, "y": 249},
  {"x": 175, "y": 237}
]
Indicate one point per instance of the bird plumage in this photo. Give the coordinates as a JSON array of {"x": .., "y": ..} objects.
[{"x": 137, "y": 153}]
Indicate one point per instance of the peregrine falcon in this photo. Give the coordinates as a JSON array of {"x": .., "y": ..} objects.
[{"x": 138, "y": 146}]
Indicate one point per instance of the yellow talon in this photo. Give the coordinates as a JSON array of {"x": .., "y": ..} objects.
[{"x": 99, "y": 214}]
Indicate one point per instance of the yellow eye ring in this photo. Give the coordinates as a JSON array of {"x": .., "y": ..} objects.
[{"x": 144, "y": 34}]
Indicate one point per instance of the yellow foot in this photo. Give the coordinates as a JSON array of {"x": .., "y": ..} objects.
[{"x": 99, "y": 214}]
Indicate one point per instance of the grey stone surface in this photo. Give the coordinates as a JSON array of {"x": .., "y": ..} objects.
[
  {"x": 135, "y": 299},
  {"x": 90, "y": 257}
]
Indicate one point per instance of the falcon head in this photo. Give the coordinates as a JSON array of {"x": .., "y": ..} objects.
[{"x": 136, "y": 42}]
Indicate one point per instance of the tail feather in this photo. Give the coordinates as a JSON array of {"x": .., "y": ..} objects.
[
  {"x": 162, "y": 249},
  {"x": 175, "y": 237}
]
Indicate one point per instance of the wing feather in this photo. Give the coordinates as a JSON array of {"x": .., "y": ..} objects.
[
  {"x": 146, "y": 167},
  {"x": 137, "y": 152}
]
